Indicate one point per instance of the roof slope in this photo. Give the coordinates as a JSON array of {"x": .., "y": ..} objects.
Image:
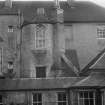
[
  {"x": 81, "y": 11},
  {"x": 84, "y": 12},
  {"x": 93, "y": 80},
  {"x": 69, "y": 65},
  {"x": 32, "y": 84},
  {"x": 100, "y": 63},
  {"x": 97, "y": 63},
  {"x": 71, "y": 54}
]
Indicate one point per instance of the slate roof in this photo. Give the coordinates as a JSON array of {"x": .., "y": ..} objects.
[
  {"x": 98, "y": 63},
  {"x": 81, "y": 11},
  {"x": 95, "y": 79},
  {"x": 71, "y": 54},
  {"x": 34, "y": 84},
  {"x": 68, "y": 68}
]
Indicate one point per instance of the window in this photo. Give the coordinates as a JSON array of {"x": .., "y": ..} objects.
[
  {"x": 40, "y": 11},
  {"x": 40, "y": 72},
  {"x": 10, "y": 66},
  {"x": 37, "y": 99},
  {"x": 86, "y": 98},
  {"x": 10, "y": 28},
  {"x": 40, "y": 36},
  {"x": 62, "y": 98},
  {"x": 102, "y": 97},
  {"x": 101, "y": 31},
  {"x": 1, "y": 100},
  {"x": 1, "y": 60}
]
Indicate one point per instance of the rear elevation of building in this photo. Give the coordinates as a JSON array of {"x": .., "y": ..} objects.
[{"x": 52, "y": 53}]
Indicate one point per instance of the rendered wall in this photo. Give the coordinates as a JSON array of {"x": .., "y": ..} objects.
[{"x": 83, "y": 38}]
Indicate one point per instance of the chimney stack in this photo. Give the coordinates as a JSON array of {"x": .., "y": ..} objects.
[
  {"x": 57, "y": 4},
  {"x": 8, "y": 3}
]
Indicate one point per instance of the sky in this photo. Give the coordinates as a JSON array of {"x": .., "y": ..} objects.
[{"x": 99, "y": 2}]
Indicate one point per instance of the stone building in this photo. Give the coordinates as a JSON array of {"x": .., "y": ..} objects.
[{"x": 52, "y": 53}]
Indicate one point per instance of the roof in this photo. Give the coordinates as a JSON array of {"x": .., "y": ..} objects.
[
  {"x": 71, "y": 54},
  {"x": 96, "y": 63},
  {"x": 84, "y": 12},
  {"x": 94, "y": 80},
  {"x": 100, "y": 63},
  {"x": 69, "y": 66},
  {"x": 32, "y": 84},
  {"x": 80, "y": 12}
]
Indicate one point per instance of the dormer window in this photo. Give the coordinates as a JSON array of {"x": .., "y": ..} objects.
[
  {"x": 10, "y": 28},
  {"x": 40, "y": 37}
]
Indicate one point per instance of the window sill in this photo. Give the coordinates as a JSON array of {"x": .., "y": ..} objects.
[
  {"x": 101, "y": 38},
  {"x": 39, "y": 51}
]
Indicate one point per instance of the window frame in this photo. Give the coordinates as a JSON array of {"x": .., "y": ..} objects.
[
  {"x": 40, "y": 11},
  {"x": 62, "y": 101},
  {"x": 10, "y": 66},
  {"x": 1, "y": 61},
  {"x": 87, "y": 98},
  {"x": 10, "y": 28},
  {"x": 37, "y": 102},
  {"x": 41, "y": 70},
  {"x": 40, "y": 36},
  {"x": 101, "y": 32},
  {"x": 102, "y": 97}
]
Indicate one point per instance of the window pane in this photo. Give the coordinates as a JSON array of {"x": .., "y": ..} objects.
[
  {"x": 86, "y": 101},
  {"x": 81, "y": 102},
  {"x": 0, "y": 98},
  {"x": 40, "y": 72},
  {"x": 91, "y": 102},
  {"x": 39, "y": 97},
  {"x": 34, "y": 97},
  {"x": 59, "y": 97},
  {"x": 60, "y": 103},
  {"x": 90, "y": 94},
  {"x": 81, "y": 95},
  {"x": 39, "y": 104},
  {"x": 35, "y": 104},
  {"x": 85, "y": 94},
  {"x": 64, "y": 97},
  {"x": 63, "y": 103}
]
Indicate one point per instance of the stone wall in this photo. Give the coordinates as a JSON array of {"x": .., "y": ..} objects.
[
  {"x": 32, "y": 57},
  {"x": 10, "y": 43},
  {"x": 25, "y": 97}
]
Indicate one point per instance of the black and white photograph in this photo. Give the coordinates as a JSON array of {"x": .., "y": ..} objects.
[{"x": 52, "y": 52}]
